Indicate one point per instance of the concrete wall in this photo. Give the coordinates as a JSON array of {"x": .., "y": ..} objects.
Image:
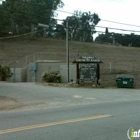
[
  {"x": 52, "y": 66},
  {"x": 72, "y": 73},
  {"x": 42, "y": 67},
  {"x": 19, "y": 75},
  {"x": 25, "y": 75}
]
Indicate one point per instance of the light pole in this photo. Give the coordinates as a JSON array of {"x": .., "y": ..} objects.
[
  {"x": 67, "y": 44},
  {"x": 67, "y": 48}
]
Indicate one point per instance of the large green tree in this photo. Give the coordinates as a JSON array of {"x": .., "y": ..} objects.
[
  {"x": 82, "y": 26},
  {"x": 20, "y": 16}
]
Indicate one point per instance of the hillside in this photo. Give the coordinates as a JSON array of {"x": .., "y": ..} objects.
[{"x": 122, "y": 59}]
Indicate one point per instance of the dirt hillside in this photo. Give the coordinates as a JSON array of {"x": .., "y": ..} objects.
[{"x": 120, "y": 59}]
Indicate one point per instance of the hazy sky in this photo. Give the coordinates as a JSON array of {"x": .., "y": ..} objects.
[{"x": 125, "y": 11}]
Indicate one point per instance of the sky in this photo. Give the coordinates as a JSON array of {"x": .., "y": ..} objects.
[{"x": 124, "y": 11}]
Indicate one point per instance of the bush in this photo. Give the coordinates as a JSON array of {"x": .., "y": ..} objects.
[
  {"x": 51, "y": 77},
  {"x": 5, "y": 73}
]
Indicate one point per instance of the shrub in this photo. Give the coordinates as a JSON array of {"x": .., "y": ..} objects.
[
  {"x": 51, "y": 77},
  {"x": 5, "y": 73}
]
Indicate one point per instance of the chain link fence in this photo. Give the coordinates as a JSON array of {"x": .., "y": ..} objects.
[
  {"x": 107, "y": 67},
  {"x": 47, "y": 56}
]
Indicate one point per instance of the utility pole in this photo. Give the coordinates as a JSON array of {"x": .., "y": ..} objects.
[{"x": 67, "y": 48}]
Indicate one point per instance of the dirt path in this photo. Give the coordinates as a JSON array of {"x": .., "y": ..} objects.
[{"x": 7, "y": 103}]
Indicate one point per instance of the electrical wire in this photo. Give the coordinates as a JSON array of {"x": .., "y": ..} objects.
[
  {"x": 63, "y": 20},
  {"x": 28, "y": 20},
  {"x": 73, "y": 14},
  {"x": 78, "y": 29},
  {"x": 117, "y": 29},
  {"x": 20, "y": 35},
  {"x": 120, "y": 23}
]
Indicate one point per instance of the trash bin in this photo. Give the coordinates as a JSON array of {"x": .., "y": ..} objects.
[{"x": 124, "y": 80}]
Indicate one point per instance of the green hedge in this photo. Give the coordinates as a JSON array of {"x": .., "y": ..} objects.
[{"x": 5, "y": 73}]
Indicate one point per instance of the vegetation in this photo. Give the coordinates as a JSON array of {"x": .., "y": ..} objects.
[
  {"x": 51, "y": 77},
  {"x": 119, "y": 39},
  {"x": 5, "y": 73},
  {"x": 18, "y": 17},
  {"x": 81, "y": 26},
  {"x": 21, "y": 17}
]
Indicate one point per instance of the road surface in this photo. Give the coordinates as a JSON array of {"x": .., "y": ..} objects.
[{"x": 57, "y": 113}]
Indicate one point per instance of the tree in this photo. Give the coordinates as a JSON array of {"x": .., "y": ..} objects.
[
  {"x": 120, "y": 39},
  {"x": 82, "y": 26},
  {"x": 104, "y": 38},
  {"x": 5, "y": 73},
  {"x": 23, "y": 16}
]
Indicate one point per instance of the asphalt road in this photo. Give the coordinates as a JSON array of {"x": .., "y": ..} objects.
[
  {"x": 69, "y": 113},
  {"x": 85, "y": 122}
]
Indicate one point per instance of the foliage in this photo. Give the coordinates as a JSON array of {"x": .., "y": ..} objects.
[
  {"x": 18, "y": 17},
  {"x": 5, "y": 73},
  {"x": 81, "y": 26},
  {"x": 119, "y": 39},
  {"x": 51, "y": 77}
]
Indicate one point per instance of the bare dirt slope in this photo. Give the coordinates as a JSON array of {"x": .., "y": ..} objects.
[{"x": 120, "y": 59}]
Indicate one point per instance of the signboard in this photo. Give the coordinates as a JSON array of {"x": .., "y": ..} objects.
[
  {"x": 87, "y": 59},
  {"x": 88, "y": 73}
]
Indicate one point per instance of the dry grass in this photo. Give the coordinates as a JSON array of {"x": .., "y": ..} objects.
[{"x": 123, "y": 59}]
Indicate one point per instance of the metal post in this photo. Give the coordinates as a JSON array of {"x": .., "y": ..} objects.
[
  {"x": 77, "y": 73},
  {"x": 110, "y": 67},
  {"x": 67, "y": 50}
]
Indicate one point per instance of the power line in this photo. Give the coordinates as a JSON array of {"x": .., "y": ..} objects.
[
  {"x": 20, "y": 35},
  {"x": 78, "y": 28},
  {"x": 117, "y": 29},
  {"x": 63, "y": 20},
  {"x": 41, "y": 31},
  {"x": 104, "y": 19},
  {"x": 64, "y": 11},
  {"x": 120, "y": 23},
  {"x": 28, "y": 20},
  {"x": 29, "y": 3}
]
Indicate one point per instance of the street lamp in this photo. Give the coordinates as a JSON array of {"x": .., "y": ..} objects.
[
  {"x": 67, "y": 48},
  {"x": 67, "y": 44},
  {"x": 43, "y": 25}
]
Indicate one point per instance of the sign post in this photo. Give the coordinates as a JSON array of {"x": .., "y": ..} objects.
[{"x": 90, "y": 71}]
